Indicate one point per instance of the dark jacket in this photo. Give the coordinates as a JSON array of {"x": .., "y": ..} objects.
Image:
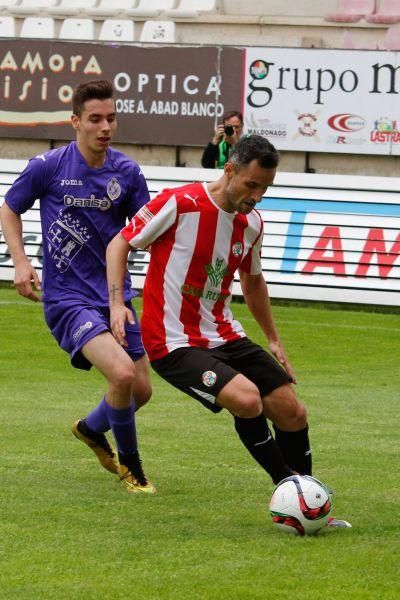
[{"x": 211, "y": 154}]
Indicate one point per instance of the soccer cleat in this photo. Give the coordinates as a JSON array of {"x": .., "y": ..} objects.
[
  {"x": 98, "y": 443},
  {"x": 338, "y": 523},
  {"x": 133, "y": 477}
]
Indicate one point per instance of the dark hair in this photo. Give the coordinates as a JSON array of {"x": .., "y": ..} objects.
[
  {"x": 232, "y": 113},
  {"x": 99, "y": 89},
  {"x": 254, "y": 147}
]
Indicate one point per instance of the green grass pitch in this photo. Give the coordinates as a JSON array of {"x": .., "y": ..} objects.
[{"x": 69, "y": 530}]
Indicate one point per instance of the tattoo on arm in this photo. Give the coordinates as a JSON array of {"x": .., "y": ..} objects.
[{"x": 113, "y": 291}]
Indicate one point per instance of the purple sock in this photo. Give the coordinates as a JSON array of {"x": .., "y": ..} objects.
[
  {"x": 97, "y": 420},
  {"x": 122, "y": 422}
]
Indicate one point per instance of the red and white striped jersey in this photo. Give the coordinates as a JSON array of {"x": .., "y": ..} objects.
[{"x": 196, "y": 247}]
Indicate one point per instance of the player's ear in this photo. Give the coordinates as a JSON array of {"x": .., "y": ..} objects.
[
  {"x": 75, "y": 122},
  {"x": 229, "y": 169}
]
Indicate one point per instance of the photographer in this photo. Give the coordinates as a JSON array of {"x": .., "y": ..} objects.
[{"x": 218, "y": 151}]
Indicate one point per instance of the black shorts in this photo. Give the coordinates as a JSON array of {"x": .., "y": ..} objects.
[{"x": 203, "y": 372}]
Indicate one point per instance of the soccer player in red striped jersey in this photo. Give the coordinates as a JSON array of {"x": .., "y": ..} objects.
[{"x": 200, "y": 235}]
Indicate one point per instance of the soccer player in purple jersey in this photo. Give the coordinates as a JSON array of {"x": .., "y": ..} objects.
[{"x": 87, "y": 191}]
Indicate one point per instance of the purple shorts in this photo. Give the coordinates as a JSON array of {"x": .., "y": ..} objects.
[{"x": 73, "y": 324}]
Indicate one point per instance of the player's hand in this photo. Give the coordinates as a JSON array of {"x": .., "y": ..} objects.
[
  {"x": 278, "y": 351},
  {"x": 25, "y": 277},
  {"x": 119, "y": 314}
]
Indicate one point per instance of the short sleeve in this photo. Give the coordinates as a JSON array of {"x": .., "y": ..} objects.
[
  {"x": 251, "y": 263},
  {"x": 138, "y": 193},
  {"x": 28, "y": 187},
  {"x": 151, "y": 221}
]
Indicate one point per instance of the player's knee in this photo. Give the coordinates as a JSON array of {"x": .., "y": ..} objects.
[
  {"x": 293, "y": 414},
  {"x": 241, "y": 397},
  {"x": 248, "y": 405},
  {"x": 301, "y": 415},
  {"x": 294, "y": 417},
  {"x": 286, "y": 411},
  {"x": 123, "y": 376},
  {"x": 143, "y": 395}
]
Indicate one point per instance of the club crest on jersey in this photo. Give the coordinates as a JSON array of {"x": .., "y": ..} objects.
[
  {"x": 65, "y": 239},
  {"x": 113, "y": 189},
  {"x": 216, "y": 272},
  {"x": 237, "y": 249},
  {"x": 209, "y": 378}
]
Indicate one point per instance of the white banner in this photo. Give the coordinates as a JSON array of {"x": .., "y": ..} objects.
[
  {"x": 324, "y": 100},
  {"x": 326, "y": 237}
]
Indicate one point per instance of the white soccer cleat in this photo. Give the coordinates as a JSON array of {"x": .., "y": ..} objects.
[{"x": 338, "y": 523}]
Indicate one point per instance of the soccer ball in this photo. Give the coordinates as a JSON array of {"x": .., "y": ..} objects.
[{"x": 301, "y": 505}]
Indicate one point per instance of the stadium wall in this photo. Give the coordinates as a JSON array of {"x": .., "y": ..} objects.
[
  {"x": 163, "y": 139},
  {"x": 327, "y": 238}
]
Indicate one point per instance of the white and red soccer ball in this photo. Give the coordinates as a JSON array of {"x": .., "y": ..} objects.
[{"x": 301, "y": 505}]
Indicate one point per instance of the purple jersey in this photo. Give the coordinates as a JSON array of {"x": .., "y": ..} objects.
[{"x": 81, "y": 210}]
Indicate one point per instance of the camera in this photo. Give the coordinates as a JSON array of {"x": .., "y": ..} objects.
[{"x": 229, "y": 130}]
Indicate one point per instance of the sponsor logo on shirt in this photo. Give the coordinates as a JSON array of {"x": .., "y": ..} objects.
[
  {"x": 216, "y": 272},
  {"x": 81, "y": 329},
  {"x": 92, "y": 202},
  {"x": 192, "y": 199},
  {"x": 209, "y": 378},
  {"x": 191, "y": 290},
  {"x": 71, "y": 182}
]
